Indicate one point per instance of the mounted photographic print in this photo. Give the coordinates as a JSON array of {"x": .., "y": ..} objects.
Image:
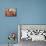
[{"x": 10, "y": 12}]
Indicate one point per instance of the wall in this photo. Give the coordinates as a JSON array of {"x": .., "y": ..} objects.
[{"x": 28, "y": 12}]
